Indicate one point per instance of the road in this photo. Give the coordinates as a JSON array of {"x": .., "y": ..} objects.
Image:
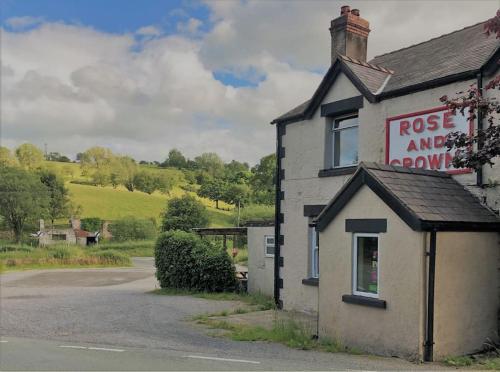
[{"x": 107, "y": 319}]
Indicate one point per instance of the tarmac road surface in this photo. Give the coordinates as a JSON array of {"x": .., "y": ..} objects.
[{"x": 107, "y": 319}]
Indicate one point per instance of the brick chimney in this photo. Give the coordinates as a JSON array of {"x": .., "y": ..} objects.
[{"x": 349, "y": 34}]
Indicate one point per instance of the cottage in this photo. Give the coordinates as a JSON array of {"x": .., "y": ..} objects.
[
  {"x": 407, "y": 245},
  {"x": 72, "y": 234}
]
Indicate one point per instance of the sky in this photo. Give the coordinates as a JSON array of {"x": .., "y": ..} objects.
[{"x": 143, "y": 77}]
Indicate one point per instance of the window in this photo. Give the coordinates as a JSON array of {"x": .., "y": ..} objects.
[
  {"x": 365, "y": 265},
  {"x": 313, "y": 252},
  {"x": 58, "y": 236},
  {"x": 345, "y": 142},
  {"x": 269, "y": 245}
]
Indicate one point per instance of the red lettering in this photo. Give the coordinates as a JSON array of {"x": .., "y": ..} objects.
[
  {"x": 407, "y": 162},
  {"x": 412, "y": 146},
  {"x": 418, "y": 125},
  {"x": 404, "y": 125},
  {"x": 426, "y": 143},
  {"x": 439, "y": 141},
  {"x": 448, "y": 120},
  {"x": 432, "y": 120},
  {"x": 395, "y": 162},
  {"x": 448, "y": 158},
  {"x": 421, "y": 162},
  {"x": 435, "y": 161}
]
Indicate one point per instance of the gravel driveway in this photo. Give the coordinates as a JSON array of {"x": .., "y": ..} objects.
[{"x": 115, "y": 307}]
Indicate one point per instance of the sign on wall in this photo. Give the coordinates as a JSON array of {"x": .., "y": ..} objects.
[{"x": 416, "y": 140}]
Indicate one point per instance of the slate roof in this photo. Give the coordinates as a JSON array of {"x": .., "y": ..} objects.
[
  {"x": 463, "y": 50},
  {"x": 455, "y": 56},
  {"x": 424, "y": 199}
]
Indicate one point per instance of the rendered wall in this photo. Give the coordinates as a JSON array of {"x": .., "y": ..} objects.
[
  {"x": 396, "y": 330},
  {"x": 260, "y": 266},
  {"x": 466, "y": 296},
  {"x": 305, "y": 147}
]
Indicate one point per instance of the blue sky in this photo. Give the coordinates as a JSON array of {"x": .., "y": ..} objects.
[
  {"x": 121, "y": 16},
  {"x": 115, "y": 16}
]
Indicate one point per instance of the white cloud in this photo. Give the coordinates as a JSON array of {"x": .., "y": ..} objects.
[
  {"x": 148, "y": 31},
  {"x": 190, "y": 26},
  {"x": 18, "y": 23},
  {"x": 73, "y": 87}
]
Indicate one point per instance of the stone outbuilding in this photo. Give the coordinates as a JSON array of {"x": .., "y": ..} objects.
[{"x": 415, "y": 273}]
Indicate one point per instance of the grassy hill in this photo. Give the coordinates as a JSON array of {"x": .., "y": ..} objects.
[{"x": 111, "y": 204}]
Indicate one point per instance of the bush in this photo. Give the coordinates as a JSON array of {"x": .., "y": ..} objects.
[
  {"x": 184, "y": 213},
  {"x": 184, "y": 260},
  {"x": 131, "y": 228},
  {"x": 91, "y": 224}
]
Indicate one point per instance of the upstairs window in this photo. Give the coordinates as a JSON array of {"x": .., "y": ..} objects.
[{"x": 345, "y": 141}]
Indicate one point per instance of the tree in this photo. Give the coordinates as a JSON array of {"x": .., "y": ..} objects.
[
  {"x": 211, "y": 163},
  {"x": 55, "y": 156},
  {"x": 214, "y": 189},
  {"x": 146, "y": 182},
  {"x": 184, "y": 213},
  {"x": 237, "y": 172},
  {"x": 262, "y": 181},
  {"x": 236, "y": 194},
  {"x": 30, "y": 157},
  {"x": 7, "y": 159},
  {"x": 175, "y": 159},
  {"x": 165, "y": 183},
  {"x": 123, "y": 172},
  {"x": 59, "y": 202},
  {"x": 23, "y": 198},
  {"x": 481, "y": 147},
  {"x": 96, "y": 162}
]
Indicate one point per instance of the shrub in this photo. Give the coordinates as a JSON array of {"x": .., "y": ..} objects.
[
  {"x": 132, "y": 228},
  {"x": 184, "y": 213},
  {"x": 92, "y": 224},
  {"x": 175, "y": 260},
  {"x": 184, "y": 260}
]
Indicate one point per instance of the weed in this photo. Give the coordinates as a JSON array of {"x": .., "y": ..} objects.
[{"x": 461, "y": 361}]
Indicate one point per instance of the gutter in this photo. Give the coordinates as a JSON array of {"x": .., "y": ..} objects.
[
  {"x": 277, "y": 220},
  {"x": 479, "y": 172},
  {"x": 431, "y": 273}
]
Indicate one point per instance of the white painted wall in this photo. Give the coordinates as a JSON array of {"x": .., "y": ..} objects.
[{"x": 260, "y": 266}]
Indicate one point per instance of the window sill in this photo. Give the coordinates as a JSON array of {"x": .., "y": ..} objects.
[
  {"x": 364, "y": 301},
  {"x": 314, "y": 282},
  {"x": 341, "y": 171}
]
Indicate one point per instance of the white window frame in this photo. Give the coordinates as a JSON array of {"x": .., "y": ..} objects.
[
  {"x": 313, "y": 252},
  {"x": 355, "y": 265},
  {"x": 267, "y": 244},
  {"x": 334, "y": 130}
]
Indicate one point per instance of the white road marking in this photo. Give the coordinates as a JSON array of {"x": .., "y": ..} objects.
[
  {"x": 222, "y": 359},
  {"x": 106, "y": 349},
  {"x": 90, "y": 348},
  {"x": 4, "y": 341}
]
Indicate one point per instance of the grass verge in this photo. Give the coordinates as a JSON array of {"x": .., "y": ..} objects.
[
  {"x": 138, "y": 248},
  {"x": 480, "y": 361},
  {"x": 23, "y": 257},
  {"x": 287, "y": 332}
]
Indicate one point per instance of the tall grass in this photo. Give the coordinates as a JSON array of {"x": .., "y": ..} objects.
[{"x": 20, "y": 257}]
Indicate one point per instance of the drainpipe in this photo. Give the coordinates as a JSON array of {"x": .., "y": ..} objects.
[
  {"x": 277, "y": 222},
  {"x": 429, "y": 333},
  {"x": 479, "y": 172}
]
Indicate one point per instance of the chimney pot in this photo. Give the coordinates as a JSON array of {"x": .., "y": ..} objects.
[
  {"x": 355, "y": 12},
  {"x": 345, "y": 9}
]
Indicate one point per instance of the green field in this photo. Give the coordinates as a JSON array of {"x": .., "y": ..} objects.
[{"x": 108, "y": 203}]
